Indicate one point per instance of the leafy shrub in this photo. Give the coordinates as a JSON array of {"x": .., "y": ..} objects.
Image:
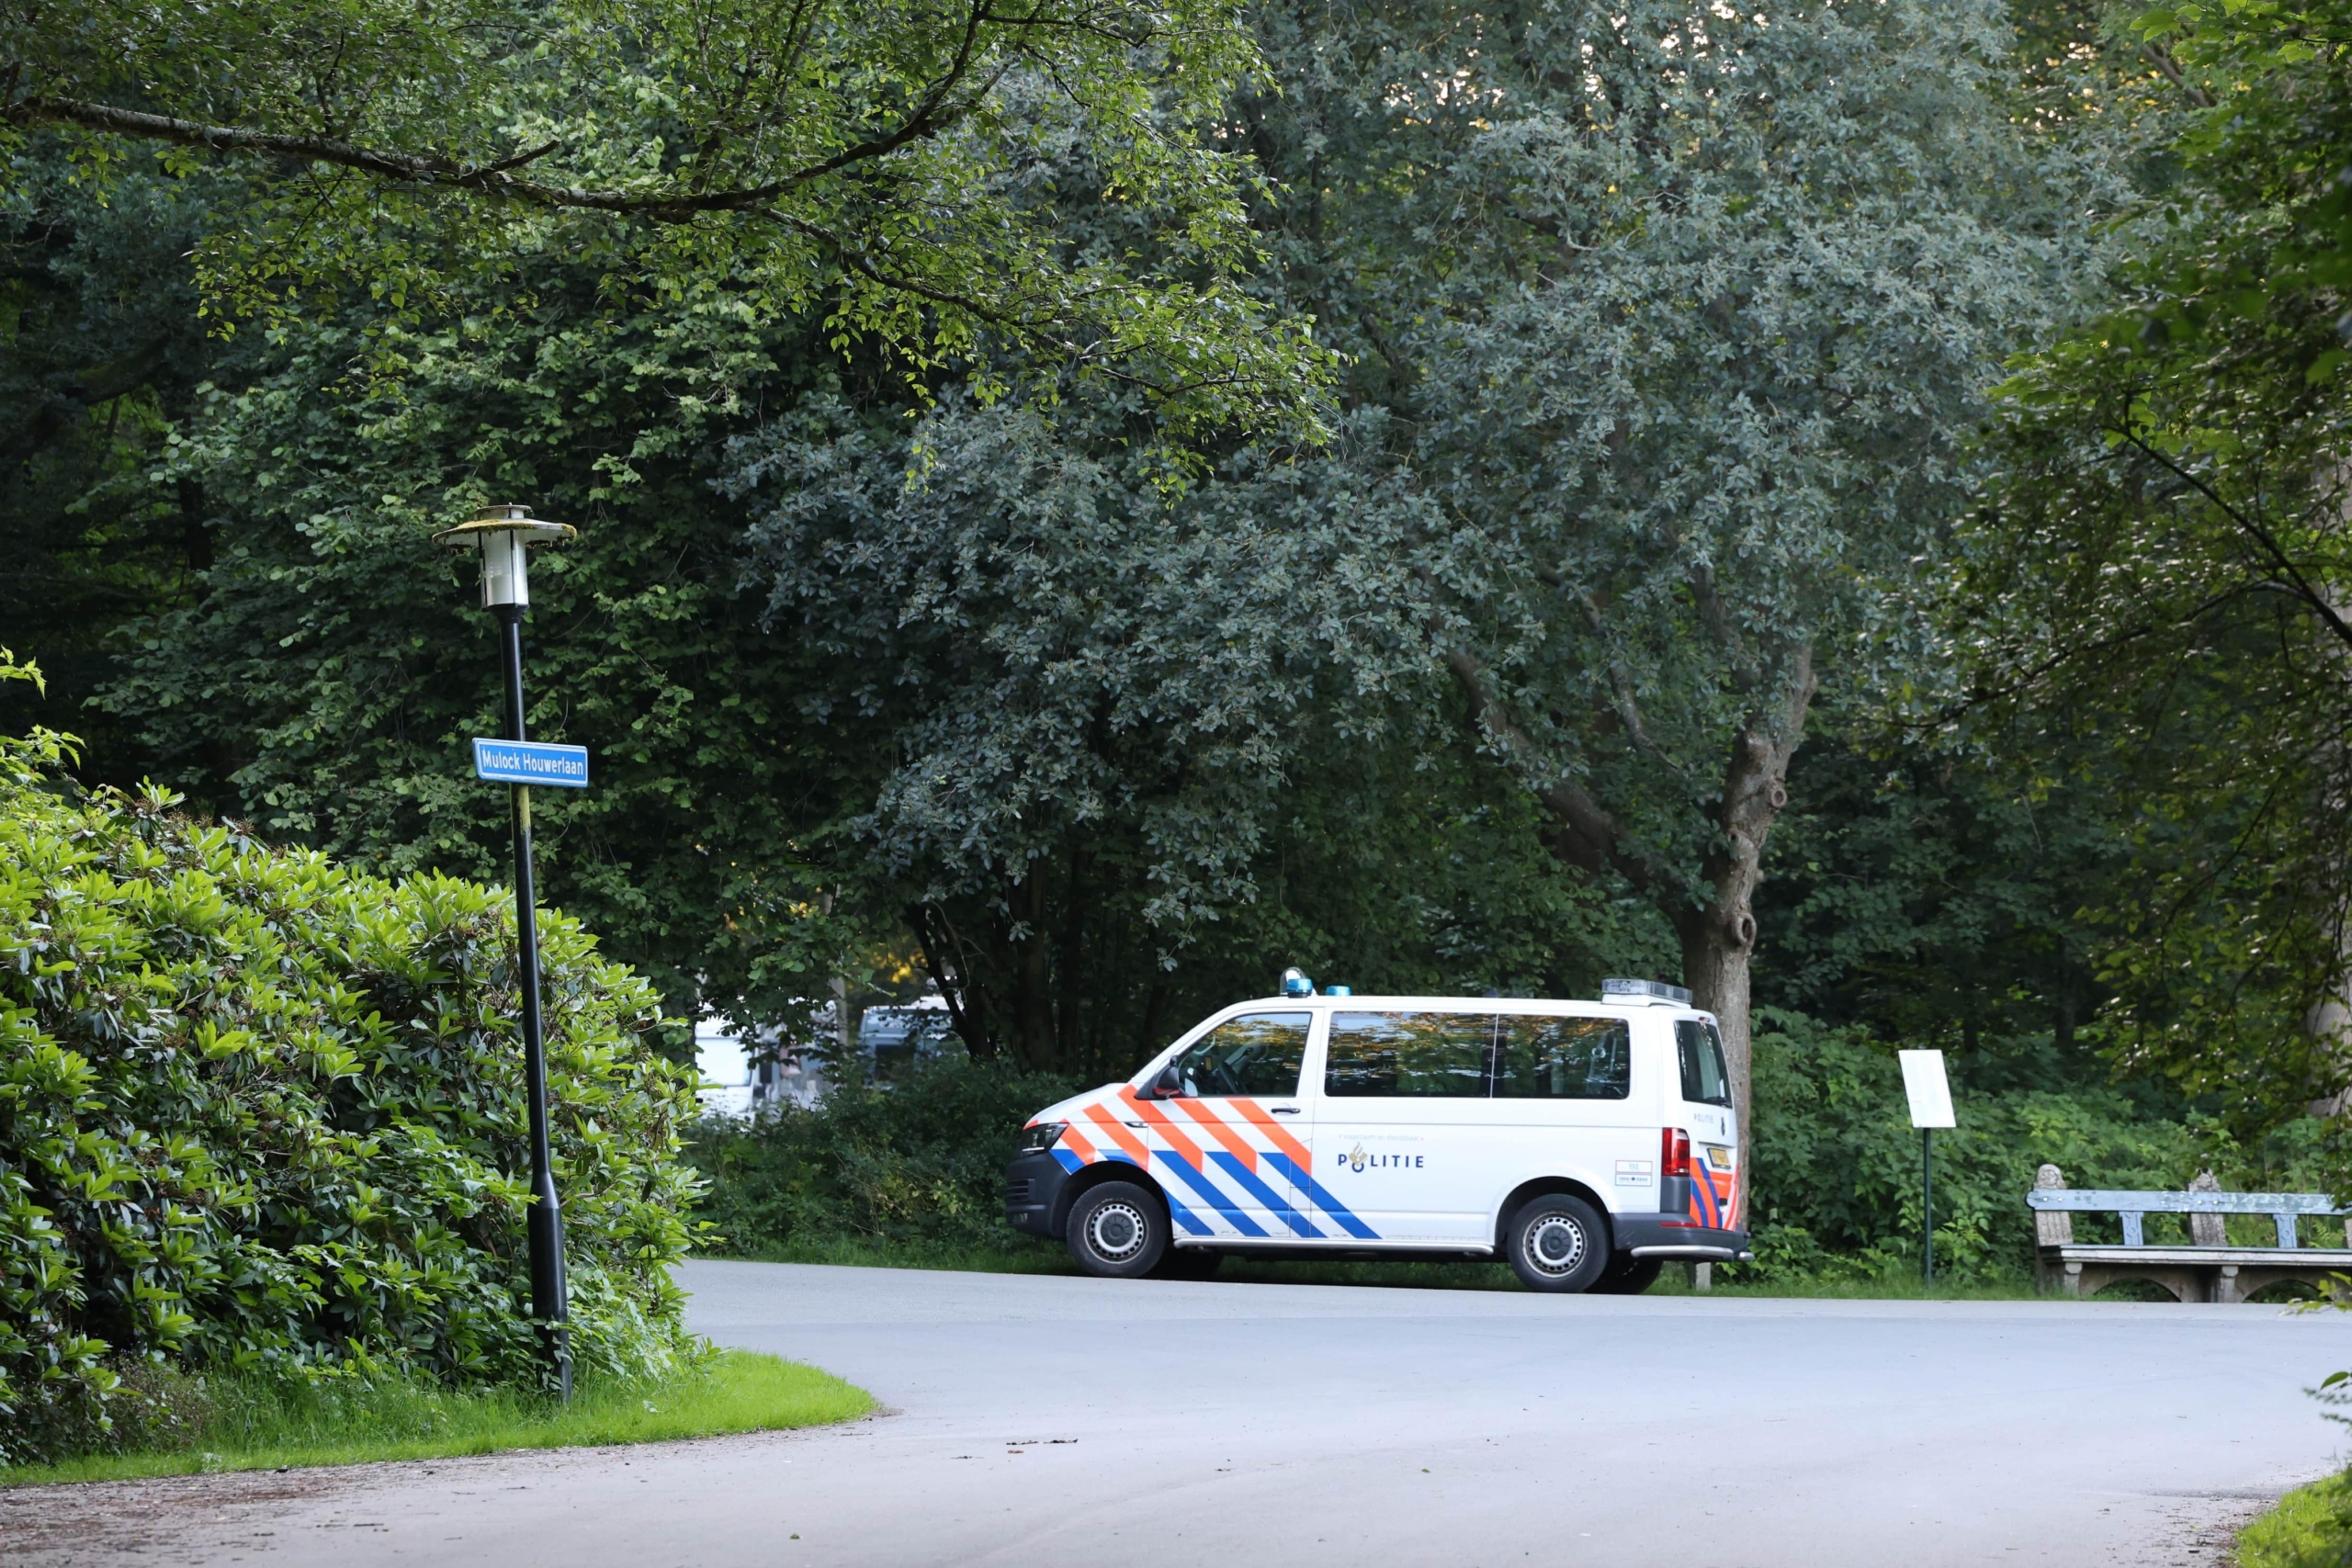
[
  {"x": 1838, "y": 1159},
  {"x": 260, "y": 1111},
  {"x": 920, "y": 1162}
]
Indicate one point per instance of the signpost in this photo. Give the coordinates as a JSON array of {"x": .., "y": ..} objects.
[
  {"x": 1930, "y": 1095},
  {"x": 503, "y": 536}
]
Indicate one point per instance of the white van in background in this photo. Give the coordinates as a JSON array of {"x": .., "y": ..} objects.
[
  {"x": 1585, "y": 1141},
  {"x": 743, "y": 1074}
]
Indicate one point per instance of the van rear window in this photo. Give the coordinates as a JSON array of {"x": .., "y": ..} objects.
[
  {"x": 1563, "y": 1058},
  {"x": 1431, "y": 1053},
  {"x": 1703, "y": 1079}
]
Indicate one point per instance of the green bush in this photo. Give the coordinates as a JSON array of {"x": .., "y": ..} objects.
[
  {"x": 2311, "y": 1528},
  {"x": 262, "y": 1112},
  {"x": 920, "y": 1163},
  {"x": 1838, "y": 1159}
]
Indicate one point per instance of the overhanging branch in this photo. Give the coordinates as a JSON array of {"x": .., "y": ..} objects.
[{"x": 936, "y": 112}]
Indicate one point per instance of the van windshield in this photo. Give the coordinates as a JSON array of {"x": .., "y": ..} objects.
[{"x": 1702, "y": 1051}]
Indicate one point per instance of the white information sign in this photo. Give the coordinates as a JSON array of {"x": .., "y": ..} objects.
[{"x": 1923, "y": 1080}]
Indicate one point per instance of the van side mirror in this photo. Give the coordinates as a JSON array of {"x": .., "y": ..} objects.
[{"x": 1168, "y": 1085}]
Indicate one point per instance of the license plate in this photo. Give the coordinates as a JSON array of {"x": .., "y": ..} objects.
[{"x": 1718, "y": 1157}]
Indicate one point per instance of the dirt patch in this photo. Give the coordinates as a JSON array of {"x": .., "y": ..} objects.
[
  {"x": 2200, "y": 1528},
  {"x": 298, "y": 1513},
  {"x": 45, "y": 1526}
]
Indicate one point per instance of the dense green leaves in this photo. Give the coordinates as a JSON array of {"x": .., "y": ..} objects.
[
  {"x": 920, "y": 1163},
  {"x": 2160, "y": 590},
  {"x": 892, "y": 165},
  {"x": 259, "y": 1110}
]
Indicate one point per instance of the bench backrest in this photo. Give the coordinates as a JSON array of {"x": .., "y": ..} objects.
[{"x": 2282, "y": 1207}]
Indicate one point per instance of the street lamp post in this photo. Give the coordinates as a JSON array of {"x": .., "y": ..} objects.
[{"x": 503, "y": 536}]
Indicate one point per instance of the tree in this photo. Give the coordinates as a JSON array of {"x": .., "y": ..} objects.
[
  {"x": 323, "y": 688},
  {"x": 875, "y": 162},
  {"x": 1682, "y": 316},
  {"x": 104, "y": 352},
  {"x": 2168, "y": 551},
  {"x": 1145, "y": 748}
]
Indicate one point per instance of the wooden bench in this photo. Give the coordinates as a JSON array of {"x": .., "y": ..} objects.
[{"x": 2208, "y": 1269}]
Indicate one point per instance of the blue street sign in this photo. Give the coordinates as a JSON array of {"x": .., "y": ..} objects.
[{"x": 530, "y": 762}]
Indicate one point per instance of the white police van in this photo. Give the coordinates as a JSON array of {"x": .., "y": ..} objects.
[{"x": 1586, "y": 1142}]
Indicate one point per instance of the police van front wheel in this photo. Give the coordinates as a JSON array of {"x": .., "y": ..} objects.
[
  {"x": 1118, "y": 1231},
  {"x": 1557, "y": 1243}
]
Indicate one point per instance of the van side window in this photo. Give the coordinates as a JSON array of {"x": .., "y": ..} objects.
[
  {"x": 1703, "y": 1079},
  {"x": 1563, "y": 1058},
  {"x": 1427, "y": 1054},
  {"x": 1259, "y": 1052}
]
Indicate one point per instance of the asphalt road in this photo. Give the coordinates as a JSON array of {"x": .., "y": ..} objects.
[{"x": 1050, "y": 1421}]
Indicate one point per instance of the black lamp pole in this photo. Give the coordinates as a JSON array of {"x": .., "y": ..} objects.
[
  {"x": 501, "y": 537},
  {"x": 549, "y": 1298}
]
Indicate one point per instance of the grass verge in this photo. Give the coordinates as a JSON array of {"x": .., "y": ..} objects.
[
  {"x": 250, "y": 1423},
  {"x": 2311, "y": 1528}
]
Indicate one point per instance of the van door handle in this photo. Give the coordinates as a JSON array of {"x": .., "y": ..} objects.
[{"x": 1284, "y": 1109}]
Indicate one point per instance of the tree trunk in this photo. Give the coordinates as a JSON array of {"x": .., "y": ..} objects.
[
  {"x": 1032, "y": 1012},
  {"x": 1069, "y": 1009},
  {"x": 1718, "y": 929},
  {"x": 1719, "y": 936},
  {"x": 944, "y": 955}
]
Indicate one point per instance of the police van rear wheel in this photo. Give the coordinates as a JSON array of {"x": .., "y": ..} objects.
[
  {"x": 1557, "y": 1243},
  {"x": 1118, "y": 1231}
]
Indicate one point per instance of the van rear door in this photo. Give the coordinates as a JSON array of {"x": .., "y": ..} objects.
[{"x": 1707, "y": 1115}]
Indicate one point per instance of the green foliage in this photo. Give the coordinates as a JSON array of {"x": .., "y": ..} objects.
[
  {"x": 886, "y": 166},
  {"x": 1929, "y": 893},
  {"x": 1683, "y": 318},
  {"x": 257, "y": 1110},
  {"x": 1657, "y": 380},
  {"x": 920, "y": 1163},
  {"x": 104, "y": 352},
  {"x": 2311, "y": 1528},
  {"x": 1838, "y": 1162},
  {"x": 2158, "y": 594},
  {"x": 325, "y": 684}
]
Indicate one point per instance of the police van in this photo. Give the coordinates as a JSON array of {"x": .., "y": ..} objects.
[{"x": 1586, "y": 1142}]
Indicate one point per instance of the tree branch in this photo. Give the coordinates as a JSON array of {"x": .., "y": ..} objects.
[
  {"x": 1592, "y": 832},
  {"x": 933, "y": 115},
  {"x": 2286, "y": 567}
]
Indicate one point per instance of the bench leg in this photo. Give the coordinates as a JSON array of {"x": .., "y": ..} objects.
[
  {"x": 2224, "y": 1290},
  {"x": 2072, "y": 1282}
]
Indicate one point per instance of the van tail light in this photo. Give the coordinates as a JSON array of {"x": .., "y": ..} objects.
[{"x": 1673, "y": 1152}]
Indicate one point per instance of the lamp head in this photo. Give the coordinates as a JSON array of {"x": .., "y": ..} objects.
[{"x": 502, "y": 534}]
